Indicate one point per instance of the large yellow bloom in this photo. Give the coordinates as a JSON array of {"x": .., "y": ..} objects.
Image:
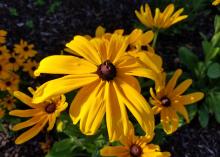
[
  {"x": 168, "y": 100},
  {"x": 216, "y": 2},
  {"x": 161, "y": 20},
  {"x": 134, "y": 146},
  {"x": 3, "y": 33},
  {"x": 41, "y": 113},
  {"x": 104, "y": 72}
]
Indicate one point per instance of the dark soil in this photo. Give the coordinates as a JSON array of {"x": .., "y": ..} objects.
[{"x": 49, "y": 28}]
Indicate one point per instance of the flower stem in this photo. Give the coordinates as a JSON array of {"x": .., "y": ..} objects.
[{"x": 155, "y": 38}]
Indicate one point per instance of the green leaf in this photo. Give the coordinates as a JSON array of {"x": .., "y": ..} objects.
[
  {"x": 214, "y": 71},
  {"x": 217, "y": 23},
  {"x": 216, "y": 40},
  {"x": 188, "y": 58},
  {"x": 207, "y": 46},
  {"x": 13, "y": 11},
  {"x": 203, "y": 116},
  {"x": 215, "y": 98}
]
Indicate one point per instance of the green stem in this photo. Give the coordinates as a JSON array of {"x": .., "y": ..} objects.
[{"x": 155, "y": 38}]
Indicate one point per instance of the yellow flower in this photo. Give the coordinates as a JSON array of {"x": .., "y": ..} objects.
[
  {"x": 11, "y": 83},
  {"x": 161, "y": 20},
  {"x": 5, "y": 68},
  {"x": 134, "y": 146},
  {"x": 2, "y": 113},
  {"x": 24, "y": 50},
  {"x": 3, "y": 33},
  {"x": 104, "y": 71},
  {"x": 30, "y": 66},
  {"x": 41, "y": 114},
  {"x": 8, "y": 102},
  {"x": 169, "y": 100},
  {"x": 216, "y": 2},
  {"x": 15, "y": 61}
]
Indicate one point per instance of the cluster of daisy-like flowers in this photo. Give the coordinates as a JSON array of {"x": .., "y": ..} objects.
[
  {"x": 20, "y": 58},
  {"x": 105, "y": 69}
]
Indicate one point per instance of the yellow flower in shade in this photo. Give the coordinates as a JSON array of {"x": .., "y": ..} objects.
[
  {"x": 104, "y": 71},
  {"x": 11, "y": 83},
  {"x": 41, "y": 114},
  {"x": 216, "y": 2},
  {"x": 24, "y": 50},
  {"x": 161, "y": 20},
  {"x": 15, "y": 61},
  {"x": 30, "y": 66},
  {"x": 8, "y": 102},
  {"x": 5, "y": 68},
  {"x": 4, "y": 52},
  {"x": 169, "y": 100},
  {"x": 3, "y": 34},
  {"x": 134, "y": 146},
  {"x": 2, "y": 113}
]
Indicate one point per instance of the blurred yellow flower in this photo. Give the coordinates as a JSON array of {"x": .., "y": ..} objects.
[
  {"x": 134, "y": 146},
  {"x": 4, "y": 52},
  {"x": 3, "y": 34},
  {"x": 161, "y": 20},
  {"x": 11, "y": 83},
  {"x": 106, "y": 74},
  {"x": 2, "y": 113},
  {"x": 5, "y": 68},
  {"x": 15, "y": 61},
  {"x": 41, "y": 114},
  {"x": 169, "y": 100},
  {"x": 24, "y": 50},
  {"x": 216, "y": 2},
  {"x": 30, "y": 66},
  {"x": 8, "y": 102}
]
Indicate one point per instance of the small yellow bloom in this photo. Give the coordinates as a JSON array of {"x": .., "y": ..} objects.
[
  {"x": 216, "y": 2},
  {"x": 11, "y": 83},
  {"x": 14, "y": 61},
  {"x": 30, "y": 66},
  {"x": 2, "y": 113},
  {"x": 3, "y": 34},
  {"x": 161, "y": 20},
  {"x": 169, "y": 100},
  {"x": 8, "y": 102},
  {"x": 105, "y": 71},
  {"x": 134, "y": 146},
  {"x": 42, "y": 113},
  {"x": 24, "y": 50}
]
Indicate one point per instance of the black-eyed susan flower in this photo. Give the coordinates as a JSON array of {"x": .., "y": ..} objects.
[
  {"x": 216, "y": 2},
  {"x": 105, "y": 73},
  {"x": 134, "y": 146},
  {"x": 24, "y": 50},
  {"x": 10, "y": 83},
  {"x": 30, "y": 66},
  {"x": 2, "y": 113},
  {"x": 15, "y": 61},
  {"x": 8, "y": 102},
  {"x": 41, "y": 114},
  {"x": 169, "y": 100},
  {"x": 4, "y": 52},
  {"x": 5, "y": 68},
  {"x": 161, "y": 20},
  {"x": 3, "y": 34}
]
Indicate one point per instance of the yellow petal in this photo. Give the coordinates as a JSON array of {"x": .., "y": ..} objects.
[
  {"x": 100, "y": 31},
  {"x": 24, "y": 113},
  {"x": 168, "y": 12},
  {"x": 180, "y": 18},
  {"x": 181, "y": 109},
  {"x": 27, "y": 135},
  {"x": 191, "y": 98},
  {"x": 115, "y": 151},
  {"x": 181, "y": 88},
  {"x": 24, "y": 98},
  {"x": 61, "y": 64},
  {"x": 137, "y": 106},
  {"x": 172, "y": 82},
  {"x": 134, "y": 35},
  {"x": 169, "y": 120},
  {"x": 84, "y": 48},
  {"x": 51, "y": 121},
  {"x": 62, "y": 85},
  {"x": 28, "y": 123},
  {"x": 147, "y": 37}
]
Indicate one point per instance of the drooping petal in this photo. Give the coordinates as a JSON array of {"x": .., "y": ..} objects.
[
  {"x": 61, "y": 64},
  {"x": 172, "y": 82},
  {"x": 27, "y": 135},
  {"x": 51, "y": 121},
  {"x": 147, "y": 37},
  {"x": 181, "y": 88},
  {"x": 191, "y": 98},
  {"x": 24, "y": 113},
  {"x": 182, "y": 110},
  {"x": 84, "y": 48},
  {"x": 169, "y": 120},
  {"x": 114, "y": 151},
  {"x": 62, "y": 85},
  {"x": 24, "y": 98}
]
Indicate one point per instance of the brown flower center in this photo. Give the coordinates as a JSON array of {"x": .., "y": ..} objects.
[
  {"x": 106, "y": 71},
  {"x": 50, "y": 108},
  {"x": 165, "y": 101},
  {"x": 12, "y": 60},
  {"x": 8, "y": 83},
  {"x": 33, "y": 68},
  {"x": 25, "y": 48},
  {"x": 0, "y": 68},
  {"x": 135, "y": 150}
]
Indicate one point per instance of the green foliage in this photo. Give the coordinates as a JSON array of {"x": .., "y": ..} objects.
[
  {"x": 39, "y": 2},
  {"x": 54, "y": 6},
  {"x": 29, "y": 24},
  {"x": 13, "y": 12},
  {"x": 213, "y": 71}
]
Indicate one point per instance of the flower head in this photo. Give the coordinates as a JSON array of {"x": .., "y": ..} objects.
[
  {"x": 106, "y": 74},
  {"x": 10, "y": 83},
  {"x": 169, "y": 100},
  {"x": 134, "y": 146},
  {"x": 161, "y": 20},
  {"x": 216, "y": 2},
  {"x": 3, "y": 33},
  {"x": 8, "y": 102},
  {"x": 41, "y": 114},
  {"x": 30, "y": 66},
  {"x": 24, "y": 50}
]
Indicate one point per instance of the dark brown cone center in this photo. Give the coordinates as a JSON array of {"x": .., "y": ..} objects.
[
  {"x": 33, "y": 68},
  {"x": 8, "y": 83},
  {"x": 0, "y": 68},
  {"x": 12, "y": 60},
  {"x": 165, "y": 102},
  {"x": 106, "y": 71},
  {"x": 25, "y": 48},
  {"x": 50, "y": 108},
  {"x": 135, "y": 150}
]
